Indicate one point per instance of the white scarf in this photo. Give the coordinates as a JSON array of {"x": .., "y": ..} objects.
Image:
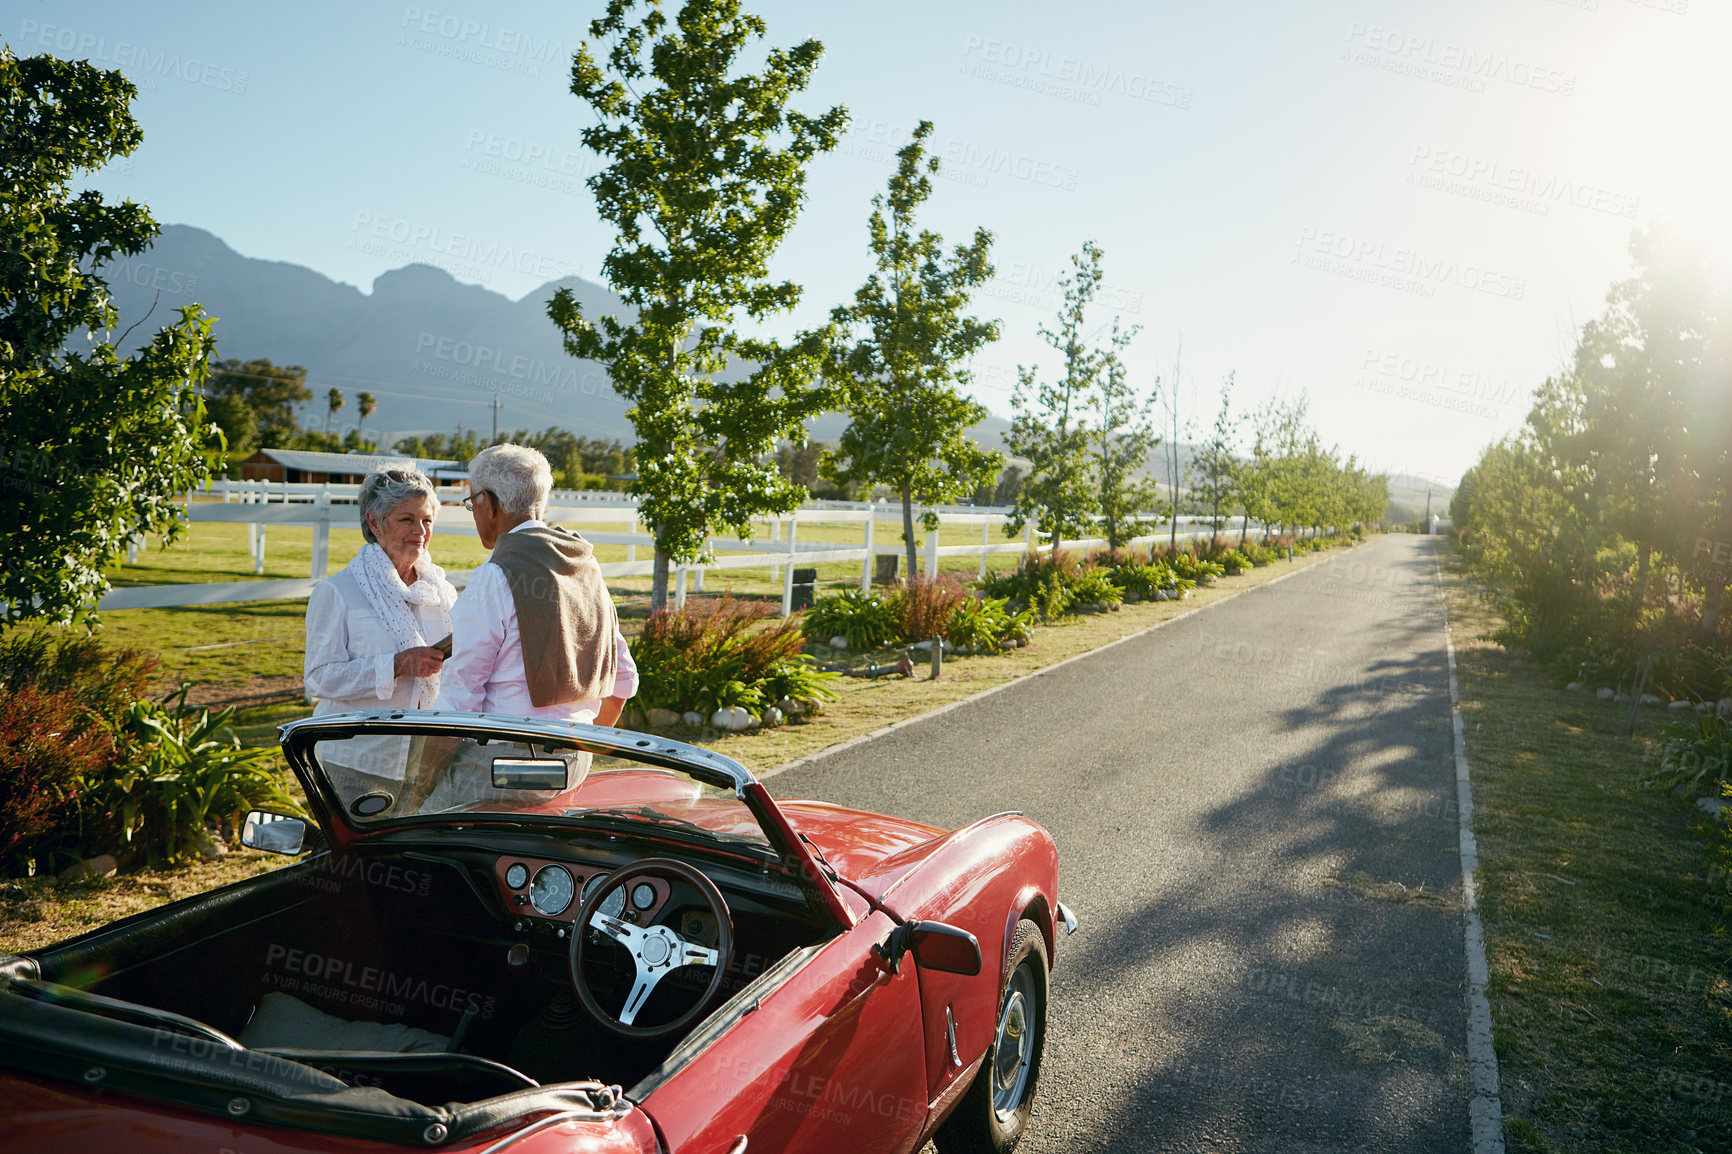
[{"x": 384, "y": 590}]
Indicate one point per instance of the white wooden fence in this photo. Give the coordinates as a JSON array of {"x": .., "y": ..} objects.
[{"x": 259, "y": 505}]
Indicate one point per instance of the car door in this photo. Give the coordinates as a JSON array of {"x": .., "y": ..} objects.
[{"x": 831, "y": 1060}]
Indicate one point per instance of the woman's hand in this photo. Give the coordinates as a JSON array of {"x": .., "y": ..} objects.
[{"x": 418, "y": 661}]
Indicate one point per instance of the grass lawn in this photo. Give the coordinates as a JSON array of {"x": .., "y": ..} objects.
[
  {"x": 38, "y": 912},
  {"x": 1605, "y": 915}
]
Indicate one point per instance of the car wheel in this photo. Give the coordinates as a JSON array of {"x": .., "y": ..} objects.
[{"x": 993, "y": 1113}]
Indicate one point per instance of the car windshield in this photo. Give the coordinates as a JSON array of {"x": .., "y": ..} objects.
[{"x": 383, "y": 778}]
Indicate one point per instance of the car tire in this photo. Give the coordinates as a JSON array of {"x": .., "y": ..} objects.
[{"x": 994, "y": 1112}]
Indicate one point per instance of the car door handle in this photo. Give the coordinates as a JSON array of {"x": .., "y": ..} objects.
[{"x": 739, "y": 1146}]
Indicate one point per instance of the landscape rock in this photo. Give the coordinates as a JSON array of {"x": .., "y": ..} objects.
[
  {"x": 1606, "y": 693},
  {"x": 772, "y": 716},
  {"x": 1650, "y": 699},
  {"x": 839, "y": 642},
  {"x": 732, "y": 718},
  {"x": 1724, "y": 709},
  {"x": 1573, "y": 686},
  {"x": 693, "y": 718},
  {"x": 662, "y": 718},
  {"x": 102, "y": 865},
  {"x": 926, "y": 646},
  {"x": 1163, "y": 595},
  {"x": 790, "y": 707},
  {"x": 1679, "y": 704}
]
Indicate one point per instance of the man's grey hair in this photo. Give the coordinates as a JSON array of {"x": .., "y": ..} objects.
[
  {"x": 518, "y": 475},
  {"x": 385, "y": 489}
]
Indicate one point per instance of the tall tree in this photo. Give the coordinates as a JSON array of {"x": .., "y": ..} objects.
[
  {"x": 910, "y": 419},
  {"x": 1050, "y": 427},
  {"x": 333, "y": 404},
  {"x": 96, "y": 447},
  {"x": 365, "y": 406},
  {"x": 271, "y": 391},
  {"x": 1216, "y": 464},
  {"x": 1124, "y": 435},
  {"x": 706, "y": 175}
]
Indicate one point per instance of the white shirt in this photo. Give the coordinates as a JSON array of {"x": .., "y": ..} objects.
[
  {"x": 484, "y": 673},
  {"x": 350, "y": 660},
  {"x": 351, "y": 654}
]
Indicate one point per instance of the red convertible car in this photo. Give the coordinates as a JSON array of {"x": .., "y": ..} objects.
[{"x": 508, "y": 935}]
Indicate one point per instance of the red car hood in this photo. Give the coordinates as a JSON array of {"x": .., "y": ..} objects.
[{"x": 869, "y": 849}]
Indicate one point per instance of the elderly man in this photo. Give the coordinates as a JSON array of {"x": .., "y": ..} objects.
[{"x": 535, "y": 633}]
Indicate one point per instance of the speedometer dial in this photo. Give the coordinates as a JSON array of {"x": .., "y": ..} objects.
[
  {"x": 552, "y": 890},
  {"x": 614, "y": 905}
]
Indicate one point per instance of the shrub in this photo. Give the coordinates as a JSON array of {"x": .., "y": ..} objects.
[
  {"x": 1695, "y": 755},
  {"x": 1194, "y": 568},
  {"x": 1141, "y": 580},
  {"x": 1234, "y": 562},
  {"x": 867, "y": 620},
  {"x": 984, "y": 624},
  {"x": 104, "y": 681},
  {"x": 185, "y": 768},
  {"x": 1040, "y": 582},
  {"x": 924, "y": 606},
  {"x": 47, "y": 745},
  {"x": 711, "y": 653}
]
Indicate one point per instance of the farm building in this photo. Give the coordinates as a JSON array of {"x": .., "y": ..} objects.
[{"x": 302, "y": 466}]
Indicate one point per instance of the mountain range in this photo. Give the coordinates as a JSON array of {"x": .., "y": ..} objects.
[{"x": 435, "y": 353}]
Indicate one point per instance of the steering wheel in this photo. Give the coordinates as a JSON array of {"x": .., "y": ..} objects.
[{"x": 657, "y": 950}]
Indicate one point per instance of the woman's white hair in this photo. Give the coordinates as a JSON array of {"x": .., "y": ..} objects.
[
  {"x": 385, "y": 489},
  {"x": 516, "y": 474}
]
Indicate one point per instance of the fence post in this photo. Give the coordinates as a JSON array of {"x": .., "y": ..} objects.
[
  {"x": 866, "y": 565},
  {"x": 776, "y": 535},
  {"x": 984, "y": 526},
  {"x": 322, "y": 538},
  {"x": 788, "y": 571},
  {"x": 259, "y": 557},
  {"x": 931, "y": 554}
]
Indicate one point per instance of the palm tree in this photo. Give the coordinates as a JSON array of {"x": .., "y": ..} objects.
[
  {"x": 365, "y": 404},
  {"x": 333, "y": 402}
]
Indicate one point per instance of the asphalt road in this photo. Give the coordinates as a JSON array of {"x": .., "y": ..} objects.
[{"x": 1255, "y": 814}]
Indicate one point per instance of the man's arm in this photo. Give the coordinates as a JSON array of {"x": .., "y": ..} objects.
[{"x": 611, "y": 708}]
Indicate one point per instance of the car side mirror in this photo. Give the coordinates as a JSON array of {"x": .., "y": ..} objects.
[
  {"x": 274, "y": 832},
  {"x": 944, "y": 948}
]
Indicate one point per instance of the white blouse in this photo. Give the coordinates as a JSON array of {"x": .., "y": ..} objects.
[{"x": 350, "y": 653}]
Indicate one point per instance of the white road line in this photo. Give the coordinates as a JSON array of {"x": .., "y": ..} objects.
[
  {"x": 1041, "y": 672},
  {"x": 1485, "y": 1100}
]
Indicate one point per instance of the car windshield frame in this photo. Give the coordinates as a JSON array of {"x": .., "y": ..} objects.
[{"x": 783, "y": 850}]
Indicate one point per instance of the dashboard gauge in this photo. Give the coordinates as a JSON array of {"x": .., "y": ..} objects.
[
  {"x": 643, "y": 895},
  {"x": 516, "y": 875},
  {"x": 614, "y": 905},
  {"x": 552, "y": 890}
]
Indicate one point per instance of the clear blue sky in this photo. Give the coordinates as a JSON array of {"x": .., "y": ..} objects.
[{"x": 1403, "y": 209}]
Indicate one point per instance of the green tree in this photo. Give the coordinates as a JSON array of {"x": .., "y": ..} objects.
[
  {"x": 909, "y": 417},
  {"x": 1123, "y": 435},
  {"x": 333, "y": 403},
  {"x": 235, "y": 422},
  {"x": 97, "y": 447},
  {"x": 365, "y": 406},
  {"x": 271, "y": 391},
  {"x": 706, "y": 175},
  {"x": 1217, "y": 462},
  {"x": 1050, "y": 428}
]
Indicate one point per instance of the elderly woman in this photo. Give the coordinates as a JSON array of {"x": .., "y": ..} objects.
[{"x": 371, "y": 628}]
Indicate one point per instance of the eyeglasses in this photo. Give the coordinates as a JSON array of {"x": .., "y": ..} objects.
[{"x": 469, "y": 501}]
